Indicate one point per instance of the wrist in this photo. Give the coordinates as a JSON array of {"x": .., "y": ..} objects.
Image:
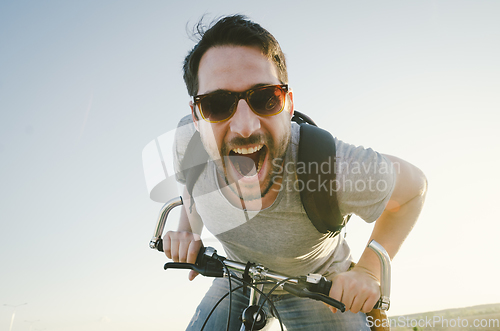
[
  {"x": 370, "y": 273},
  {"x": 369, "y": 263}
]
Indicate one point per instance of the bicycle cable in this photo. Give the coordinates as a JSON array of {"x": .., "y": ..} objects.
[
  {"x": 271, "y": 304},
  {"x": 267, "y": 297},
  {"x": 230, "y": 291},
  {"x": 215, "y": 306}
]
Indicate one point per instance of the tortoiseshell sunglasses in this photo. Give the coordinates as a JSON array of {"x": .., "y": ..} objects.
[{"x": 219, "y": 106}]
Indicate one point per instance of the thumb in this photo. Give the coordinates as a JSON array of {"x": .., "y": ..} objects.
[
  {"x": 192, "y": 275},
  {"x": 332, "y": 309}
]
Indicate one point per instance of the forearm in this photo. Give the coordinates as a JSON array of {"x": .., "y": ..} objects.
[
  {"x": 359, "y": 288},
  {"x": 190, "y": 220},
  {"x": 390, "y": 230}
]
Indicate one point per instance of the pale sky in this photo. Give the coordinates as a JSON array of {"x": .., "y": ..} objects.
[{"x": 85, "y": 86}]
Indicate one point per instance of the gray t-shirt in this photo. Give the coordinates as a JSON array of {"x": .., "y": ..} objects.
[{"x": 281, "y": 237}]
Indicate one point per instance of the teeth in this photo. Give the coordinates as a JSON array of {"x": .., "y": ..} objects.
[{"x": 250, "y": 150}]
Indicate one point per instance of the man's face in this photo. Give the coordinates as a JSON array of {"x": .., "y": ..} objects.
[{"x": 244, "y": 146}]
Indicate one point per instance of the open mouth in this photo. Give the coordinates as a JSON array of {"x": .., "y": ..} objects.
[{"x": 248, "y": 161}]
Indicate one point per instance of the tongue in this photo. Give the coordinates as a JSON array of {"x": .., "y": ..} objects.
[{"x": 245, "y": 164}]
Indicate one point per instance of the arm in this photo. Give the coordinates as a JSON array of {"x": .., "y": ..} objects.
[
  {"x": 358, "y": 289},
  {"x": 400, "y": 214},
  {"x": 184, "y": 244}
]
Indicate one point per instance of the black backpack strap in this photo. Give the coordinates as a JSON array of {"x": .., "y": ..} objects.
[
  {"x": 317, "y": 146},
  {"x": 194, "y": 161},
  {"x": 301, "y": 118}
]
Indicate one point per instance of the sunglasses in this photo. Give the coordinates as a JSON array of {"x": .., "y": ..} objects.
[{"x": 220, "y": 106}]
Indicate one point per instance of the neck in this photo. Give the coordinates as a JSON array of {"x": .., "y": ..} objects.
[{"x": 234, "y": 195}]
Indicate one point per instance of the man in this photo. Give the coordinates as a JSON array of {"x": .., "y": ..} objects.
[{"x": 242, "y": 109}]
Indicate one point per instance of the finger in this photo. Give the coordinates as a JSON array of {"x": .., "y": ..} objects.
[
  {"x": 357, "y": 304},
  {"x": 166, "y": 245},
  {"x": 194, "y": 248},
  {"x": 185, "y": 240},
  {"x": 336, "y": 292},
  {"x": 332, "y": 309},
  {"x": 183, "y": 250},
  {"x": 192, "y": 275},
  {"x": 174, "y": 248},
  {"x": 370, "y": 303},
  {"x": 348, "y": 298}
]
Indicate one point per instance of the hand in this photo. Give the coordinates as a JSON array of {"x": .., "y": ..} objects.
[
  {"x": 358, "y": 289},
  {"x": 182, "y": 246}
]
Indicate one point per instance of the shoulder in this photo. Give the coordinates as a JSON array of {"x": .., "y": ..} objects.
[
  {"x": 183, "y": 134},
  {"x": 366, "y": 180}
]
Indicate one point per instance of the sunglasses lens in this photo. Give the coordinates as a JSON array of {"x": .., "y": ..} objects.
[
  {"x": 268, "y": 100},
  {"x": 217, "y": 107}
]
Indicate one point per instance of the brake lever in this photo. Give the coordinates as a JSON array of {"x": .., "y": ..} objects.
[
  {"x": 303, "y": 292},
  {"x": 208, "y": 263},
  {"x": 210, "y": 269}
]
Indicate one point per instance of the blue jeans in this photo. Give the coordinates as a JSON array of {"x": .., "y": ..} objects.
[{"x": 297, "y": 314}]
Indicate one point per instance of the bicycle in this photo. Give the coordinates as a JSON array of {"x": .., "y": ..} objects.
[{"x": 254, "y": 276}]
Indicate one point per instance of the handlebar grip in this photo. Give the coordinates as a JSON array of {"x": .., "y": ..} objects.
[
  {"x": 159, "y": 245},
  {"x": 383, "y": 303},
  {"x": 323, "y": 286}
]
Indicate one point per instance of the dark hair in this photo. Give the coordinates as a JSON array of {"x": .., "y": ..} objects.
[{"x": 234, "y": 30}]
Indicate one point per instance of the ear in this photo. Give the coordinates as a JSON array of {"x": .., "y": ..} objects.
[
  {"x": 291, "y": 108},
  {"x": 194, "y": 115}
]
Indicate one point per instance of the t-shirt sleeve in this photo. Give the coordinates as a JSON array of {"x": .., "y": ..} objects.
[
  {"x": 184, "y": 132},
  {"x": 365, "y": 181}
]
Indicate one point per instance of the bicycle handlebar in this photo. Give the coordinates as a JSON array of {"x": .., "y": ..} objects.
[
  {"x": 210, "y": 264},
  {"x": 312, "y": 286},
  {"x": 156, "y": 242}
]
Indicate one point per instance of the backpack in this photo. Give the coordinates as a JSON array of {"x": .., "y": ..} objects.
[{"x": 316, "y": 146}]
